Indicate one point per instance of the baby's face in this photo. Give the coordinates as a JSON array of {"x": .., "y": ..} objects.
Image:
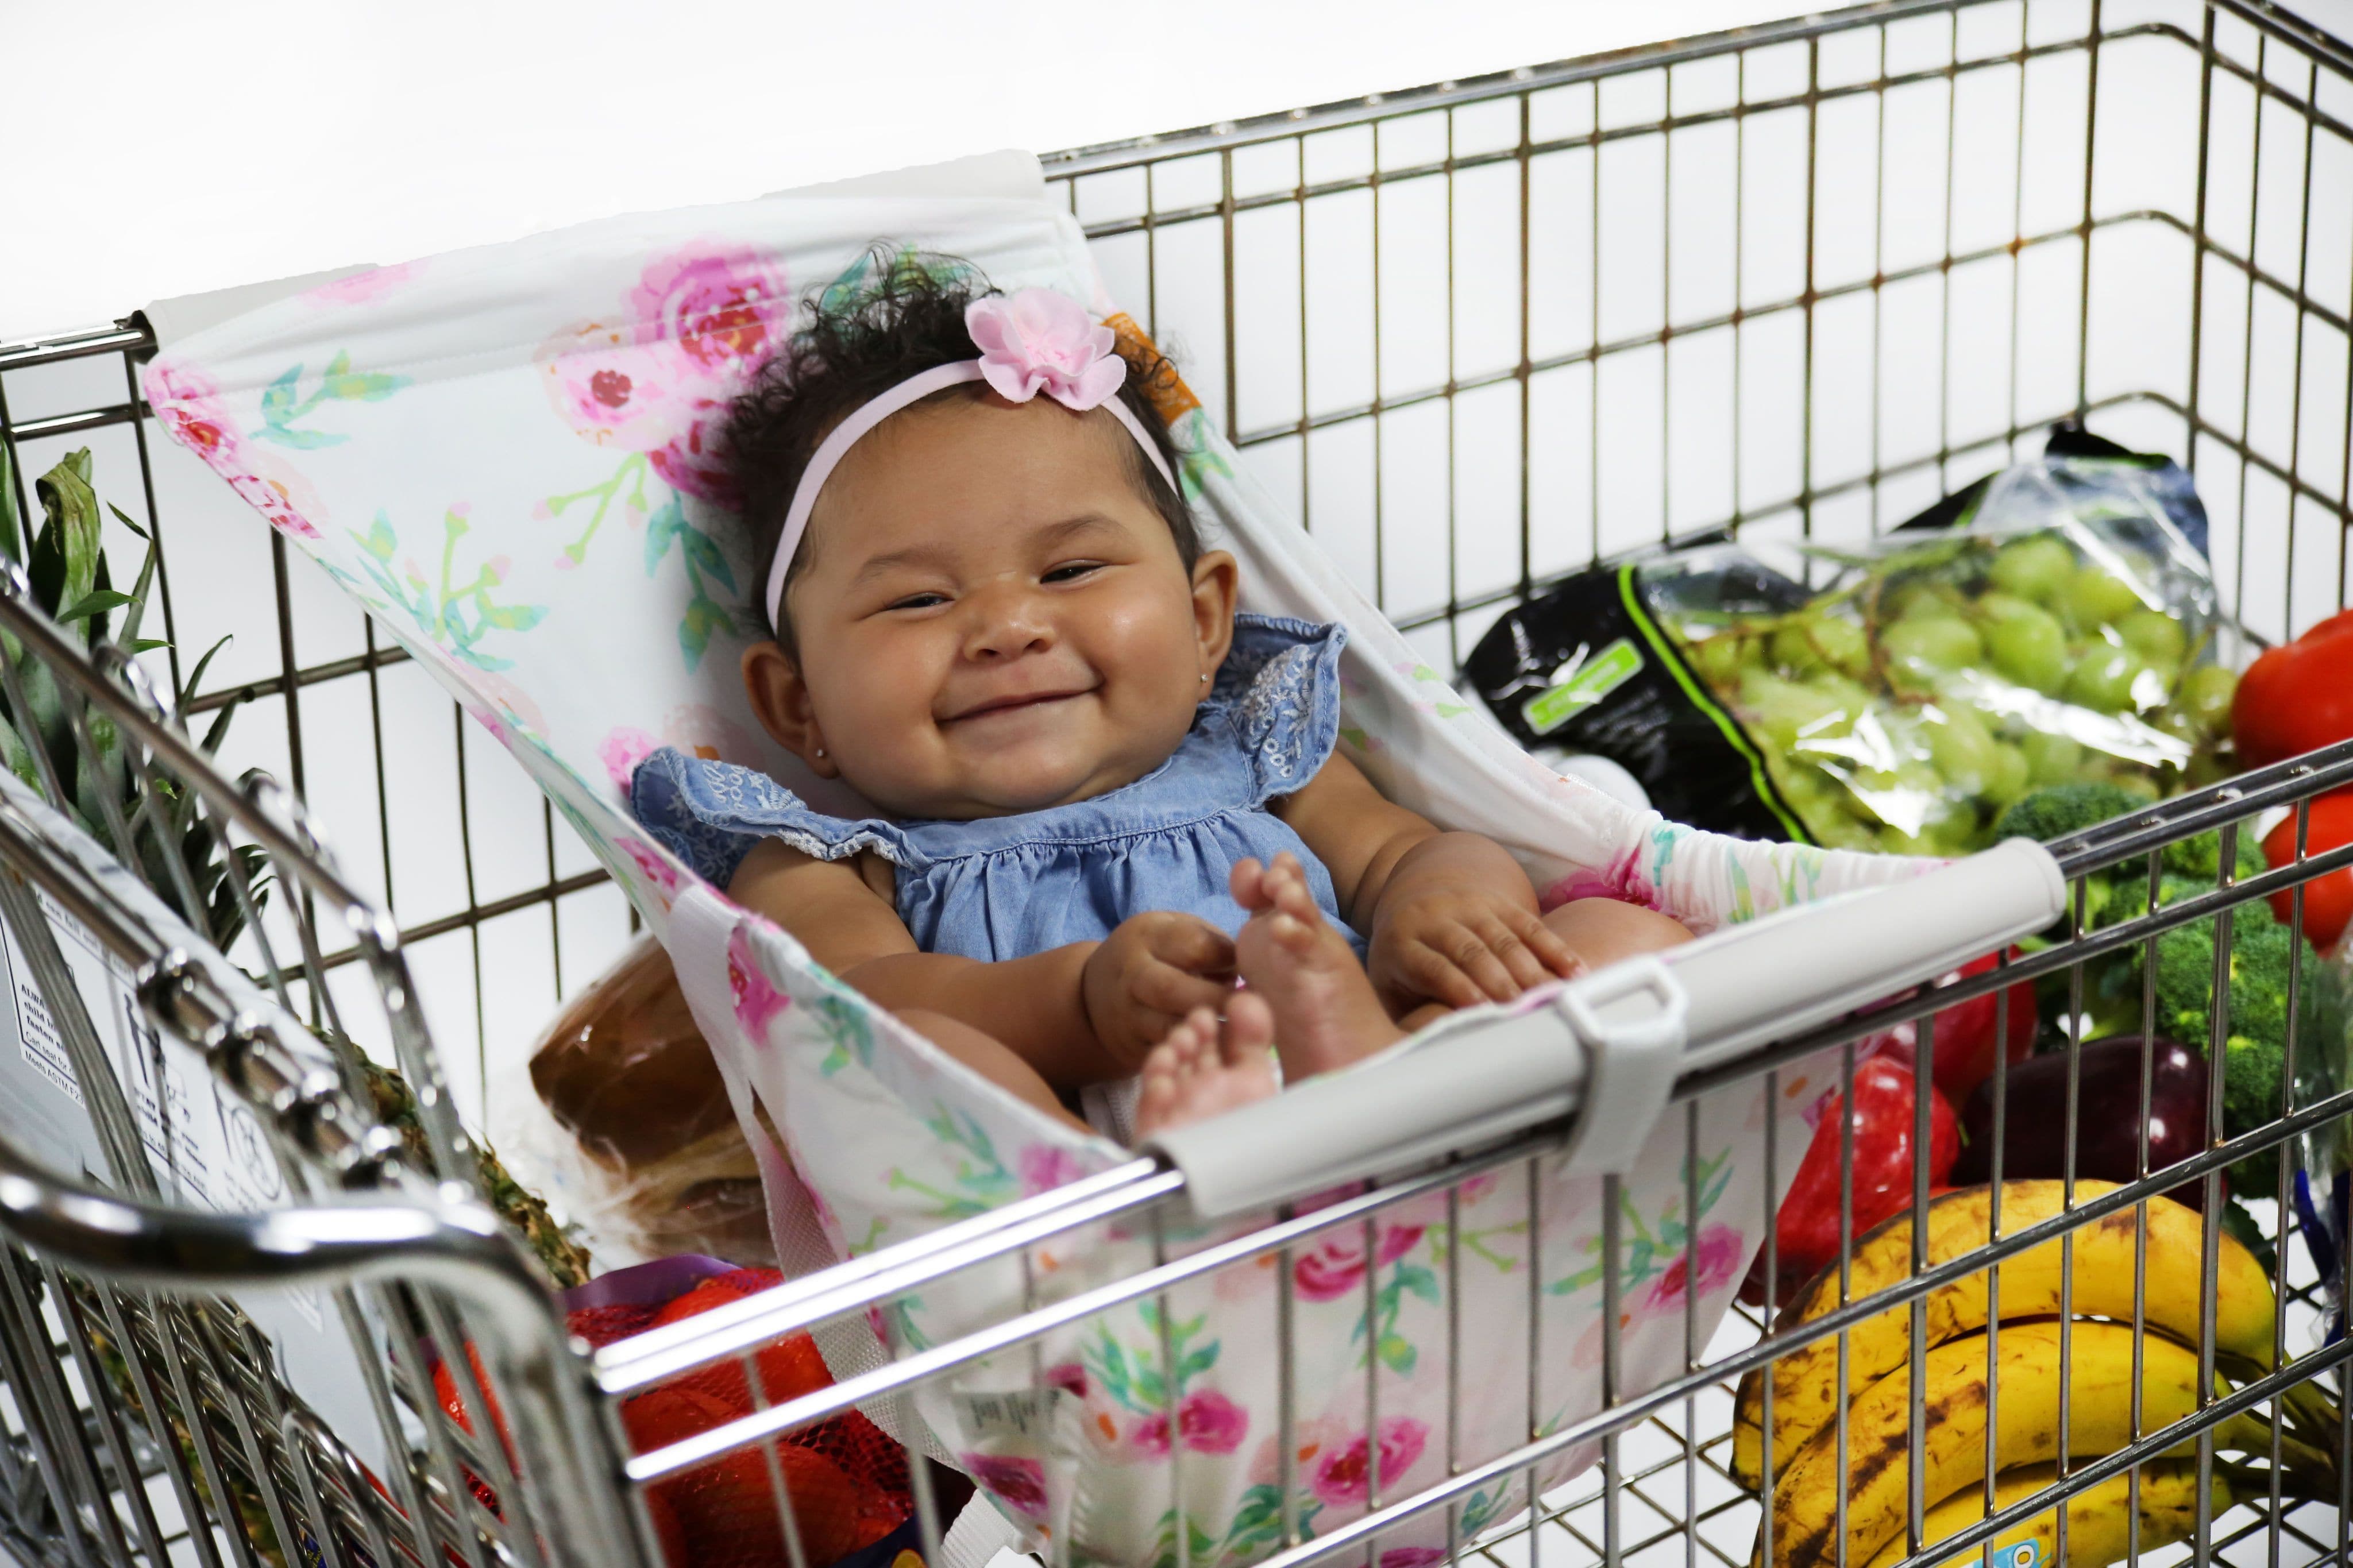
[{"x": 993, "y": 620}]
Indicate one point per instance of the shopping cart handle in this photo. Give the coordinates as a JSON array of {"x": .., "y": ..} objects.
[{"x": 1609, "y": 1048}]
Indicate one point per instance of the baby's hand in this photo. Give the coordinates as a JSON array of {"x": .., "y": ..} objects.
[
  {"x": 1152, "y": 971},
  {"x": 1460, "y": 945}
]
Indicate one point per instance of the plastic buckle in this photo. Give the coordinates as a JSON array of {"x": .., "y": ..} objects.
[{"x": 1631, "y": 1018}]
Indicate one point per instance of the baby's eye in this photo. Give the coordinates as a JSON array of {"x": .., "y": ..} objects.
[
  {"x": 917, "y": 602},
  {"x": 1071, "y": 572}
]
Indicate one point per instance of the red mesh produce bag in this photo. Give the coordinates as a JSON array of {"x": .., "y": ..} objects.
[{"x": 846, "y": 1480}]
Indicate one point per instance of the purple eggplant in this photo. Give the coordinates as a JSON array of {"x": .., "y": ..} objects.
[{"x": 2108, "y": 1116}]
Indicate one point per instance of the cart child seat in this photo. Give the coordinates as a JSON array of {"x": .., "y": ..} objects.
[{"x": 505, "y": 455}]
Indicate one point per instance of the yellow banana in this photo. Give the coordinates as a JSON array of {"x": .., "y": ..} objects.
[
  {"x": 1806, "y": 1382},
  {"x": 1876, "y": 1464},
  {"x": 2099, "y": 1519}
]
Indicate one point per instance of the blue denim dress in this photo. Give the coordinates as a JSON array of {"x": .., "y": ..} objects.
[{"x": 1006, "y": 887}]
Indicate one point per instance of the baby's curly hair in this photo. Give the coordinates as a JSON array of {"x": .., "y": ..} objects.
[{"x": 899, "y": 313}]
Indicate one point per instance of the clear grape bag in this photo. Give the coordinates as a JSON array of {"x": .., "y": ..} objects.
[{"x": 2053, "y": 623}]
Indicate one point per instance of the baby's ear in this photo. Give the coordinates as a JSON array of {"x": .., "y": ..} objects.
[
  {"x": 1217, "y": 583},
  {"x": 781, "y": 697}
]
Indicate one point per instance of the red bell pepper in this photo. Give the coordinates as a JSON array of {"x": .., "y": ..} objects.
[
  {"x": 2328, "y": 900},
  {"x": 2296, "y": 698},
  {"x": 1808, "y": 1225},
  {"x": 1968, "y": 1033}
]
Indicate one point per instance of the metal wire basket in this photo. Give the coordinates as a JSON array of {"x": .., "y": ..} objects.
[{"x": 1568, "y": 312}]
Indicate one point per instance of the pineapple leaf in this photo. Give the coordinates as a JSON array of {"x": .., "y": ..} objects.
[
  {"x": 10, "y": 540},
  {"x": 217, "y": 730},
  {"x": 95, "y": 603},
  {"x": 144, "y": 645},
  {"x": 67, "y": 551},
  {"x": 123, "y": 517},
  {"x": 197, "y": 676}
]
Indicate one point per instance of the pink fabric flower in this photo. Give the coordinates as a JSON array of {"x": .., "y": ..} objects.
[
  {"x": 690, "y": 462},
  {"x": 1068, "y": 1376},
  {"x": 1413, "y": 1557},
  {"x": 187, "y": 403},
  {"x": 1207, "y": 1421},
  {"x": 1043, "y": 340},
  {"x": 650, "y": 864},
  {"x": 361, "y": 286},
  {"x": 1344, "y": 1473},
  {"x": 621, "y": 751},
  {"x": 718, "y": 305},
  {"x": 1710, "y": 1262},
  {"x": 1018, "y": 1484},
  {"x": 630, "y": 396},
  {"x": 1045, "y": 1166},
  {"x": 757, "y": 1002},
  {"x": 274, "y": 499},
  {"x": 1336, "y": 1264}
]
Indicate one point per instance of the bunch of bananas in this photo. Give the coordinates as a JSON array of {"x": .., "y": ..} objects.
[{"x": 1993, "y": 1357}]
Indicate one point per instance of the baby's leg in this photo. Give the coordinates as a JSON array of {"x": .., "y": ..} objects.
[
  {"x": 1200, "y": 1070},
  {"x": 992, "y": 1058},
  {"x": 1327, "y": 1014},
  {"x": 1600, "y": 932}
]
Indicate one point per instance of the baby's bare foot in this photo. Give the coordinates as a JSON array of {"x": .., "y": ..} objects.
[
  {"x": 1198, "y": 1070},
  {"x": 1327, "y": 1014}
]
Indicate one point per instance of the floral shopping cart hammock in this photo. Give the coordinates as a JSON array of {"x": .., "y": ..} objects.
[{"x": 504, "y": 455}]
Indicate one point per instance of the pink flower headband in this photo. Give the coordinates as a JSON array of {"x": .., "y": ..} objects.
[{"x": 1032, "y": 342}]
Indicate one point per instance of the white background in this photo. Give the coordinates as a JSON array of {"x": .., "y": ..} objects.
[{"x": 183, "y": 147}]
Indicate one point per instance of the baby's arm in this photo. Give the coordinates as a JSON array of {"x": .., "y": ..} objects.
[
  {"x": 1449, "y": 917},
  {"x": 1080, "y": 1014},
  {"x": 1031, "y": 1004}
]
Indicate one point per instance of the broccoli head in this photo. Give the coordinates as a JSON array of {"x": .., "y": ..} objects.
[
  {"x": 2061, "y": 809},
  {"x": 2255, "y": 1037}
]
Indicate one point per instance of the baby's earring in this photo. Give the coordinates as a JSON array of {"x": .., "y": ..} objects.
[
  {"x": 820, "y": 750},
  {"x": 1205, "y": 680}
]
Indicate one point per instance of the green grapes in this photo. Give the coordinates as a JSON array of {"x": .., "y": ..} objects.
[
  {"x": 1928, "y": 644},
  {"x": 2093, "y": 596},
  {"x": 2029, "y": 647},
  {"x": 1718, "y": 659},
  {"x": 2154, "y": 635},
  {"x": 1964, "y": 749},
  {"x": 2052, "y": 759},
  {"x": 2206, "y": 694},
  {"x": 2103, "y": 678},
  {"x": 2035, "y": 567},
  {"x": 2007, "y": 777}
]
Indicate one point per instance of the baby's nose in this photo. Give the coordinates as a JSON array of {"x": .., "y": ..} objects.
[{"x": 1008, "y": 624}]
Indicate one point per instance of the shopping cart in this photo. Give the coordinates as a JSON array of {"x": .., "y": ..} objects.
[{"x": 2132, "y": 216}]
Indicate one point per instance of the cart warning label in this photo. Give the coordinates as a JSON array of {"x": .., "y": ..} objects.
[{"x": 37, "y": 1037}]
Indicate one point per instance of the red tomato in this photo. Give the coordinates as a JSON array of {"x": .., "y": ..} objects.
[
  {"x": 724, "y": 1511},
  {"x": 788, "y": 1368},
  {"x": 729, "y": 1512},
  {"x": 669, "y": 1531},
  {"x": 2297, "y": 697},
  {"x": 1966, "y": 1034},
  {"x": 1807, "y": 1224},
  {"x": 444, "y": 1388},
  {"x": 2328, "y": 900}
]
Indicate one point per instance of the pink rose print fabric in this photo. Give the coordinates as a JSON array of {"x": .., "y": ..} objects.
[
  {"x": 656, "y": 379},
  {"x": 1336, "y": 1264},
  {"x": 188, "y": 403}
]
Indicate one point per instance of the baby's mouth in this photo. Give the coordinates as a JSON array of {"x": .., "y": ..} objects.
[{"x": 996, "y": 707}]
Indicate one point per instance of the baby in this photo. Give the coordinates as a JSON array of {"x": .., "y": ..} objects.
[{"x": 1105, "y": 793}]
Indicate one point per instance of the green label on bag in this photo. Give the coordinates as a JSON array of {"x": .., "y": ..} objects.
[{"x": 1595, "y": 679}]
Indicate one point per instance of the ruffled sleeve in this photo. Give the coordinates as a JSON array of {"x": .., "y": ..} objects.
[
  {"x": 710, "y": 814},
  {"x": 1282, "y": 685}
]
